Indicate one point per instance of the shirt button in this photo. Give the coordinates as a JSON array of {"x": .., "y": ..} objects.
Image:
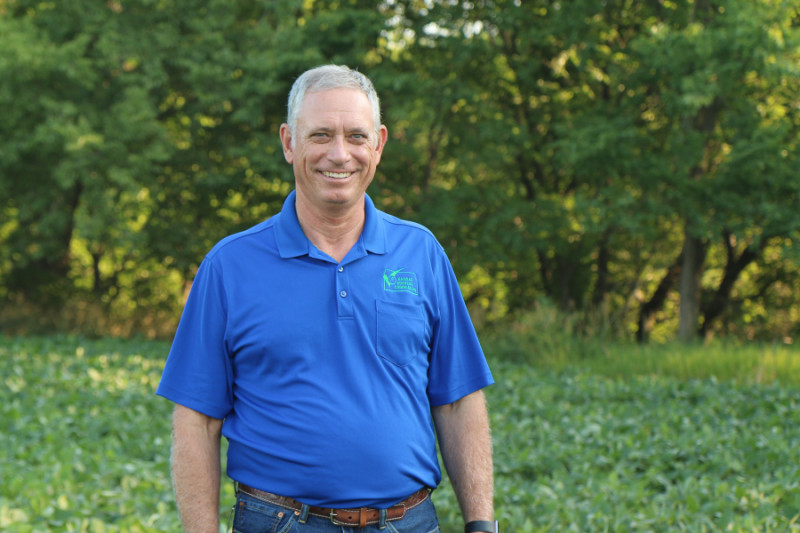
[
  {"x": 343, "y": 294},
  {"x": 341, "y": 269}
]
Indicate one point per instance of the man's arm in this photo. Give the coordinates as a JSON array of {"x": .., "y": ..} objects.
[
  {"x": 466, "y": 446},
  {"x": 196, "y": 469}
]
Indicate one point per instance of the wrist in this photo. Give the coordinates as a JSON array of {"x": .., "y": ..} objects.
[{"x": 481, "y": 526}]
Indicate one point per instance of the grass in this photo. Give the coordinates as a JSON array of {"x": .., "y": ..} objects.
[
  {"x": 586, "y": 439},
  {"x": 548, "y": 338},
  {"x": 741, "y": 363}
]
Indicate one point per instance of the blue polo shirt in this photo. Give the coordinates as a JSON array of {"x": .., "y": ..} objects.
[{"x": 325, "y": 372}]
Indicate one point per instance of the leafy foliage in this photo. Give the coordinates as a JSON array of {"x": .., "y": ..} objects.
[
  {"x": 572, "y": 152},
  {"x": 86, "y": 447},
  {"x": 86, "y": 443},
  {"x": 586, "y": 453}
]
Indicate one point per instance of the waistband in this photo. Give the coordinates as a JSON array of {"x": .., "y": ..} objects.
[{"x": 362, "y": 517}]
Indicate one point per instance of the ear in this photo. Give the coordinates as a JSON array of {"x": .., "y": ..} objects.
[
  {"x": 286, "y": 142},
  {"x": 383, "y": 136}
]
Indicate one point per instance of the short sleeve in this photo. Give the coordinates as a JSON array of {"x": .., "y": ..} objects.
[
  {"x": 198, "y": 373},
  {"x": 458, "y": 366}
]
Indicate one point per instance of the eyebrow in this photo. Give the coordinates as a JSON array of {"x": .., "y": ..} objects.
[{"x": 325, "y": 129}]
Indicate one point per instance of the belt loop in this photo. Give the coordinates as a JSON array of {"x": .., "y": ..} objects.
[
  {"x": 304, "y": 510},
  {"x": 382, "y": 522}
]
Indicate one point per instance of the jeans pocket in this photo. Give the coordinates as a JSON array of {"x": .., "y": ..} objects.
[
  {"x": 422, "y": 518},
  {"x": 254, "y": 516}
]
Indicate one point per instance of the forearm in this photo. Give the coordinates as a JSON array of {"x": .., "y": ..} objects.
[
  {"x": 196, "y": 469},
  {"x": 466, "y": 446}
]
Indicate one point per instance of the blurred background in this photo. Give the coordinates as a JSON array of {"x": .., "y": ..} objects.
[{"x": 631, "y": 164}]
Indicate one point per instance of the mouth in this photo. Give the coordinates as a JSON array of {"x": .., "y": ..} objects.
[{"x": 336, "y": 175}]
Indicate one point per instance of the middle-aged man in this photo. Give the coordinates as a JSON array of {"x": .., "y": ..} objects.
[{"x": 330, "y": 345}]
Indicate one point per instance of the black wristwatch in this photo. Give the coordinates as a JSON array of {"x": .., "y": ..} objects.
[{"x": 483, "y": 526}]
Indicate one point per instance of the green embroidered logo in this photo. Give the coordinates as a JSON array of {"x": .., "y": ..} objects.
[{"x": 399, "y": 281}]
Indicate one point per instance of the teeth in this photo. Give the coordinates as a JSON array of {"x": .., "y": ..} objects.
[{"x": 337, "y": 174}]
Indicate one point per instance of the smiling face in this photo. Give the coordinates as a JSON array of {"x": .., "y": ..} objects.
[{"x": 334, "y": 152}]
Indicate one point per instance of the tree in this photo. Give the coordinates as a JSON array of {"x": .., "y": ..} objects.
[
  {"x": 721, "y": 75},
  {"x": 594, "y": 146},
  {"x": 609, "y": 156}
]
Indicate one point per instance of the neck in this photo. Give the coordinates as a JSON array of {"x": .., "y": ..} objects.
[{"x": 334, "y": 231}]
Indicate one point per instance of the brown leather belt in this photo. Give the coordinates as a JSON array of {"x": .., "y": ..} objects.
[{"x": 365, "y": 516}]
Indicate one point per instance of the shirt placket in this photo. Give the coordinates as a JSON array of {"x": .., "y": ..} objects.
[{"x": 344, "y": 298}]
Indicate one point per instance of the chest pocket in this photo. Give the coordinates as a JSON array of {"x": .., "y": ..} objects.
[{"x": 402, "y": 332}]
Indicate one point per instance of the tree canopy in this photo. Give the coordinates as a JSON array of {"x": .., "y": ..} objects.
[{"x": 632, "y": 162}]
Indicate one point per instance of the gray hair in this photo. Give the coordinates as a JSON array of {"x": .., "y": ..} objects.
[{"x": 331, "y": 77}]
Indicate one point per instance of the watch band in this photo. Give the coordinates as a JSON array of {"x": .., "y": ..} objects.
[{"x": 484, "y": 526}]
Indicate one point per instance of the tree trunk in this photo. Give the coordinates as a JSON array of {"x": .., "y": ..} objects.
[
  {"x": 694, "y": 254},
  {"x": 733, "y": 269},
  {"x": 656, "y": 302},
  {"x": 601, "y": 287},
  {"x": 41, "y": 278}
]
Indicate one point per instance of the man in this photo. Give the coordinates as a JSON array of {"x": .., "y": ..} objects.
[{"x": 327, "y": 343}]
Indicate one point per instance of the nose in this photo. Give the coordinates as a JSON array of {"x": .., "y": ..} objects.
[{"x": 338, "y": 151}]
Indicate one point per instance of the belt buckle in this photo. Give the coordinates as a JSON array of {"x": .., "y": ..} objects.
[{"x": 335, "y": 521}]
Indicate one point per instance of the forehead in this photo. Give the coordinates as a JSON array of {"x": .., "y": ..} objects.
[{"x": 336, "y": 107}]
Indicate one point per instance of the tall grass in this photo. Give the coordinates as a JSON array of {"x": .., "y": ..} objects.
[
  {"x": 741, "y": 363},
  {"x": 549, "y": 339}
]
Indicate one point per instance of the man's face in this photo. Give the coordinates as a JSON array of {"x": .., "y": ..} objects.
[{"x": 335, "y": 152}]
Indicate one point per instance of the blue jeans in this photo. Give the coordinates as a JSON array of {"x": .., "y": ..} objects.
[{"x": 255, "y": 516}]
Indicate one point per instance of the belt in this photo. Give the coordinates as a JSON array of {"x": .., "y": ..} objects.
[{"x": 365, "y": 516}]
